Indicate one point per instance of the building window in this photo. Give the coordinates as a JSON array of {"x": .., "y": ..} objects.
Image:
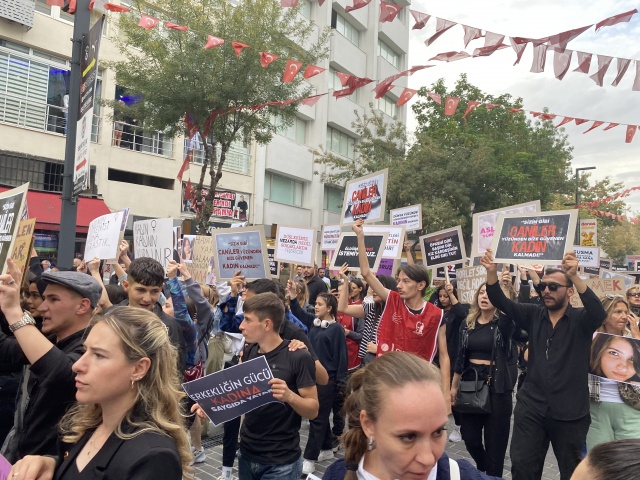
[
  {"x": 388, "y": 106},
  {"x": 340, "y": 24},
  {"x": 340, "y": 143},
  {"x": 283, "y": 190},
  {"x": 305, "y": 8},
  {"x": 386, "y": 52},
  {"x": 296, "y": 131},
  {"x": 42, "y": 7},
  {"x": 333, "y": 198},
  {"x": 335, "y": 84}
]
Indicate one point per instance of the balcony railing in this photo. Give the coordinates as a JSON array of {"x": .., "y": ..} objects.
[
  {"x": 135, "y": 137},
  {"x": 236, "y": 161}
]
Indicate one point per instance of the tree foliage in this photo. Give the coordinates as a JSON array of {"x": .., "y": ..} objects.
[{"x": 173, "y": 74}]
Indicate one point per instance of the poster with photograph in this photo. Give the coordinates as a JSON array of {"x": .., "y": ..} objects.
[
  {"x": 187, "y": 246},
  {"x": 484, "y": 225},
  {"x": 541, "y": 238},
  {"x": 330, "y": 237},
  {"x": 226, "y": 204},
  {"x": 410, "y": 217},
  {"x": 241, "y": 249},
  {"x": 296, "y": 245},
  {"x": 395, "y": 238},
  {"x": 154, "y": 239},
  {"x": 588, "y": 232},
  {"x": 365, "y": 198},
  {"x": 616, "y": 358},
  {"x": 347, "y": 251},
  {"x": 443, "y": 248},
  {"x": 11, "y": 206}
]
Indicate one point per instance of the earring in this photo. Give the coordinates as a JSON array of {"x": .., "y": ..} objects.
[
  {"x": 371, "y": 444},
  {"x": 132, "y": 383}
]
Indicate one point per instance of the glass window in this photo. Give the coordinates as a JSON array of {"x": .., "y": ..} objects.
[
  {"x": 388, "y": 106},
  {"x": 340, "y": 143},
  {"x": 333, "y": 198},
  {"x": 42, "y": 7},
  {"x": 343, "y": 27},
  {"x": 296, "y": 131},
  {"x": 386, "y": 52},
  {"x": 334, "y": 83},
  {"x": 283, "y": 190}
]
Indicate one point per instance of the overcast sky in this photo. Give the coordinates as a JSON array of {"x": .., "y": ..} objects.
[{"x": 575, "y": 96}]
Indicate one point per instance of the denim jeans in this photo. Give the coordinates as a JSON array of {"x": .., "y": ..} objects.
[{"x": 248, "y": 470}]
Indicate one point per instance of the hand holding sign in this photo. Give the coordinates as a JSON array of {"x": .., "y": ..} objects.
[
  {"x": 236, "y": 283},
  {"x": 10, "y": 291},
  {"x": 570, "y": 264},
  {"x": 357, "y": 227},
  {"x": 492, "y": 268},
  {"x": 172, "y": 269},
  {"x": 281, "y": 390}
]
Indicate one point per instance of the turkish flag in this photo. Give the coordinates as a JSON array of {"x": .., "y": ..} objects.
[
  {"x": 356, "y": 5},
  {"x": 471, "y": 33},
  {"x": 213, "y": 42},
  {"x": 547, "y": 116},
  {"x": 112, "y": 7},
  {"x": 491, "y": 39},
  {"x": 450, "y": 105},
  {"x": 631, "y": 131},
  {"x": 535, "y": 114},
  {"x": 185, "y": 166},
  {"x": 288, "y": 3},
  {"x": 471, "y": 106},
  {"x": 580, "y": 121},
  {"x": 266, "y": 58},
  {"x": 345, "y": 92},
  {"x": 539, "y": 58},
  {"x": 174, "y": 26},
  {"x": 442, "y": 26},
  {"x": 623, "y": 65},
  {"x": 515, "y": 110},
  {"x": 207, "y": 124},
  {"x": 636, "y": 82},
  {"x": 450, "y": 56},
  {"x": 388, "y": 11},
  {"x": 564, "y": 121},
  {"x": 435, "y": 97},
  {"x": 72, "y": 6},
  {"x": 603, "y": 65},
  {"x": 486, "y": 51},
  {"x": 312, "y": 71},
  {"x": 610, "y": 126},
  {"x": 237, "y": 47},
  {"x": 622, "y": 17},
  {"x": 420, "y": 18},
  {"x": 344, "y": 78},
  {"x": 311, "y": 101},
  {"x": 291, "y": 69},
  {"x": 148, "y": 22},
  {"x": 491, "y": 106},
  {"x": 584, "y": 62},
  {"x": 561, "y": 62},
  {"x": 188, "y": 191},
  {"x": 519, "y": 47},
  {"x": 384, "y": 87},
  {"x": 560, "y": 40},
  {"x": 55, "y": 3},
  {"x": 406, "y": 95}
]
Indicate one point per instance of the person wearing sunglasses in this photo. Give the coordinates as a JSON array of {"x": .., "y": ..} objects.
[
  {"x": 633, "y": 297},
  {"x": 553, "y": 403}
]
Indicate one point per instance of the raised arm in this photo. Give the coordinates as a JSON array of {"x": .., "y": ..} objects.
[
  {"x": 365, "y": 271},
  {"x": 94, "y": 269},
  {"x": 407, "y": 250},
  {"x": 355, "y": 311}
]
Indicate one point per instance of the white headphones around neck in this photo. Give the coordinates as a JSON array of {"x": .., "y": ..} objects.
[{"x": 323, "y": 323}]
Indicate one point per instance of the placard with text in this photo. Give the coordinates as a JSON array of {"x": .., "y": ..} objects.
[
  {"x": 154, "y": 239},
  {"x": 347, "y": 251},
  {"x": 296, "y": 245},
  {"x": 365, "y": 198},
  {"x": 330, "y": 237},
  {"x": 395, "y": 238},
  {"x": 104, "y": 236},
  {"x": 443, "y": 248},
  {"x": 410, "y": 217},
  {"x": 11, "y": 206},
  {"x": 241, "y": 249}
]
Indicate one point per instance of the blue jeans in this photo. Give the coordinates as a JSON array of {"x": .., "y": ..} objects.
[{"x": 248, "y": 470}]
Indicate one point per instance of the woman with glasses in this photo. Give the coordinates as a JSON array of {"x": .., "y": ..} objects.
[
  {"x": 633, "y": 297},
  {"x": 615, "y": 358}
]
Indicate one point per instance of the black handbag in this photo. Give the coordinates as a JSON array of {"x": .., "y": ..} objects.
[{"x": 473, "y": 395}]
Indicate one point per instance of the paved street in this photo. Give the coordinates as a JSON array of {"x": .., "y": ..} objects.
[{"x": 211, "y": 468}]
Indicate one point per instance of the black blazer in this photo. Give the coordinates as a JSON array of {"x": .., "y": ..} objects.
[{"x": 148, "y": 456}]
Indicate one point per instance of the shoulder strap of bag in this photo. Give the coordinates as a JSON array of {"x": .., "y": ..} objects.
[
  {"x": 493, "y": 355},
  {"x": 454, "y": 470}
]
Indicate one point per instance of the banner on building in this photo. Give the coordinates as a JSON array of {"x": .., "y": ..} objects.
[
  {"x": 347, "y": 251},
  {"x": 443, "y": 248},
  {"x": 155, "y": 239},
  {"x": 588, "y": 232},
  {"x": 365, "y": 198},
  {"x": 226, "y": 204},
  {"x": 241, "y": 249},
  {"x": 410, "y": 217}
]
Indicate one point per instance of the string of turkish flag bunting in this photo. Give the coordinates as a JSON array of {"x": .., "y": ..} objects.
[{"x": 493, "y": 42}]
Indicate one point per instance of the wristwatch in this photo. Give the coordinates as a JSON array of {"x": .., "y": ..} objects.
[{"x": 26, "y": 319}]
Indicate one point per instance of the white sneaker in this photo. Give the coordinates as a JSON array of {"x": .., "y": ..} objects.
[
  {"x": 308, "y": 466},
  {"x": 326, "y": 455},
  {"x": 455, "y": 436}
]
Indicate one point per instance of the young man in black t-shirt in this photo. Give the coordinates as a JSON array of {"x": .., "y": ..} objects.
[{"x": 269, "y": 437}]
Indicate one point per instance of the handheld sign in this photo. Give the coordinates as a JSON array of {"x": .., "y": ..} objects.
[
  {"x": 23, "y": 243},
  {"x": 629, "y": 280},
  {"x": 330, "y": 237},
  {"x": 241, "y": 249},
  {"x": 201, "y": 259},
  {"x": 395, "y": 239},
  {"x": 234, "y": 391},
  {"x": 154, "y": 239},
  {"x": 601, "y": 287},
  {"x": 347, "y": 251},
  {"x": 104, "y": 236},
  {"x": 587, "y": 256},
  {"x": 448, "y": 272},
  {"x": 468, "y": 281},
  {"x": 608, "y": 351},
  {"x": 295, "y": 245},
  {"x": 274, "y": 267},
  {"x": 410, "y": 217},
  {"x": 443, "y": 248},
  {"x": 11, "y": 207},
  {"x": 484, "y": 225},
  {"x": 386, "y": 267},
  {"x": 541, "y": 238},
  {"x": 365, "y": 198},
  {"x": 588, "y": 232}
]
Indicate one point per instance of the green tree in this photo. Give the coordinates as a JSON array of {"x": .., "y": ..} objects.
[{"x": 174, "y": 75}]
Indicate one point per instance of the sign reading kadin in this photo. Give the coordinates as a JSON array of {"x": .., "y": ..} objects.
[
  {"x": 365, "y": 198},
  {"x": 443, "y": 248},
  {"x": 347, "y": 251},
  {"x": 241, "y": 249}
]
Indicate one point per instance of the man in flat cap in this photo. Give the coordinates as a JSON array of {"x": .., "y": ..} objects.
[{"x": 48, "y": 385}]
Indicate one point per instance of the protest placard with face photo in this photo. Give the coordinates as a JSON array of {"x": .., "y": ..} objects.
[
  {"x": 410, "y": 217},
  {"x": 365, "y": 198},
  {"x": 445, "y": 247},
  {"x": 616, "y": 358},
  {"x": 347, "y": 251},
  {"x": 296, "y": 245},
  {"x": 11, "y": 206},
  {"x": 241, "y": 249}
]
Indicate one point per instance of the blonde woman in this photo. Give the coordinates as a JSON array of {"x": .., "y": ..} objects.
[{"x": 127, "y": 422}]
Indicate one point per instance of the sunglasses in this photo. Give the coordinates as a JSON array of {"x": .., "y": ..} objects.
[
  {"x": 634, "y": 294},
  {"x": 552, "y": 286}
]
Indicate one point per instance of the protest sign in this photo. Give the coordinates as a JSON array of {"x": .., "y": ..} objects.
[
  {"x": 587, "y": 256},
  {"x": 201, "y": 260},
  {"x": 330, "y": 237},
  {"x": 591, "y": 270},
  {"x": 347, "y": 251},
  {"x": 242, "y": 249},
  {"x": 410, "y": 217},
  {"x": 606, "y": 263},
  {"x": 154, "y": 239},
  {"x": 395, "y": 239},
  {"x": 365, "y": 198},
  {"x": 234, "y": 391},
  {"x": 104, "y": 236},
  {"x": 274, "y": 266},
  {"x": 386, "y": 267},
  {"x": 443, "y": 247},
  {"x": 588, "y": 232},
  {"x": 439, "y": 273},
  {"x": 11, "y": 206},
  {"x": 295, "y": 245},
  {"x": 468, "y": 281},
  {"x": 24, "y": 243},
  {"x": 484, "y": 224},
  {"x": 601, "y": 287},
  {"x": 615, "y": 357},
  {"x": 628, "y": 280},
  {"x": 541, "y": 238}
]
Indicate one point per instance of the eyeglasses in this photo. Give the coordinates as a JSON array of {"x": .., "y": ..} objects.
[
  {"x": 553, "y": 287},
  {"x": 633, "y": 294}
]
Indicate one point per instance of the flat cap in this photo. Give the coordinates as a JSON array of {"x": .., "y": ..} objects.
[{"x": 79, "y": 282}]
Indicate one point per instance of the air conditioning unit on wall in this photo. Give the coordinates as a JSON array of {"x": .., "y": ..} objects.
[{"x": 18, "y": 11}]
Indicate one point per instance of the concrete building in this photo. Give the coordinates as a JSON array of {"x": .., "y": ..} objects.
[{"x": 136, "y": 168}]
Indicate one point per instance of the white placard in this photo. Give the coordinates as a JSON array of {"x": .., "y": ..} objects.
[
  {"x": 330, "y": 237},
  {"x": 154, "y": 239},
  {"x": 587, "y": 256},
  {"x": 365, "y": 198},
  {"x": 410, "y": 217},
  {"x": 295, "y": 245},
  {"x": 104, "y": 236},
  {"x": 395, "y": 240}
]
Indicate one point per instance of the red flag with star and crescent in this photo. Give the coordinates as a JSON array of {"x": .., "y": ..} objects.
[
  {"x": 406, "y": 95},
  {"x": 451, "y": 105},
  {"x": 312, "y": 71},
  {"x": 148, "y": 22},
  {"x": 388, "y": 11},
  {"x": 266, "y": 58},
  {"x": 238, "y": 47},
  {"x": 213, "y": 42},
  {"x": 291, "y": 69}
]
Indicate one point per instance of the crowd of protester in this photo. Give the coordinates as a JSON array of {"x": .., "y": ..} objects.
[{"x": 91, "y": 372}]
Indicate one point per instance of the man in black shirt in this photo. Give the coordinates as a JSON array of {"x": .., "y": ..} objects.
[
  {"x": 553, "y": 403},
  {"x": 269, "y": 437},
  {"x": 315, "y": 285}
]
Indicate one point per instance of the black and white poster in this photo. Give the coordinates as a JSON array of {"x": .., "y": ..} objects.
[
  {"x": 347, "y": 251},
  {"x": 11, "y": 204},
  {"x": 445, "y": 247}
]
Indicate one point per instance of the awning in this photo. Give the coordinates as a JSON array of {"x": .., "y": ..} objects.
[{"x": 47, "y": 207}]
